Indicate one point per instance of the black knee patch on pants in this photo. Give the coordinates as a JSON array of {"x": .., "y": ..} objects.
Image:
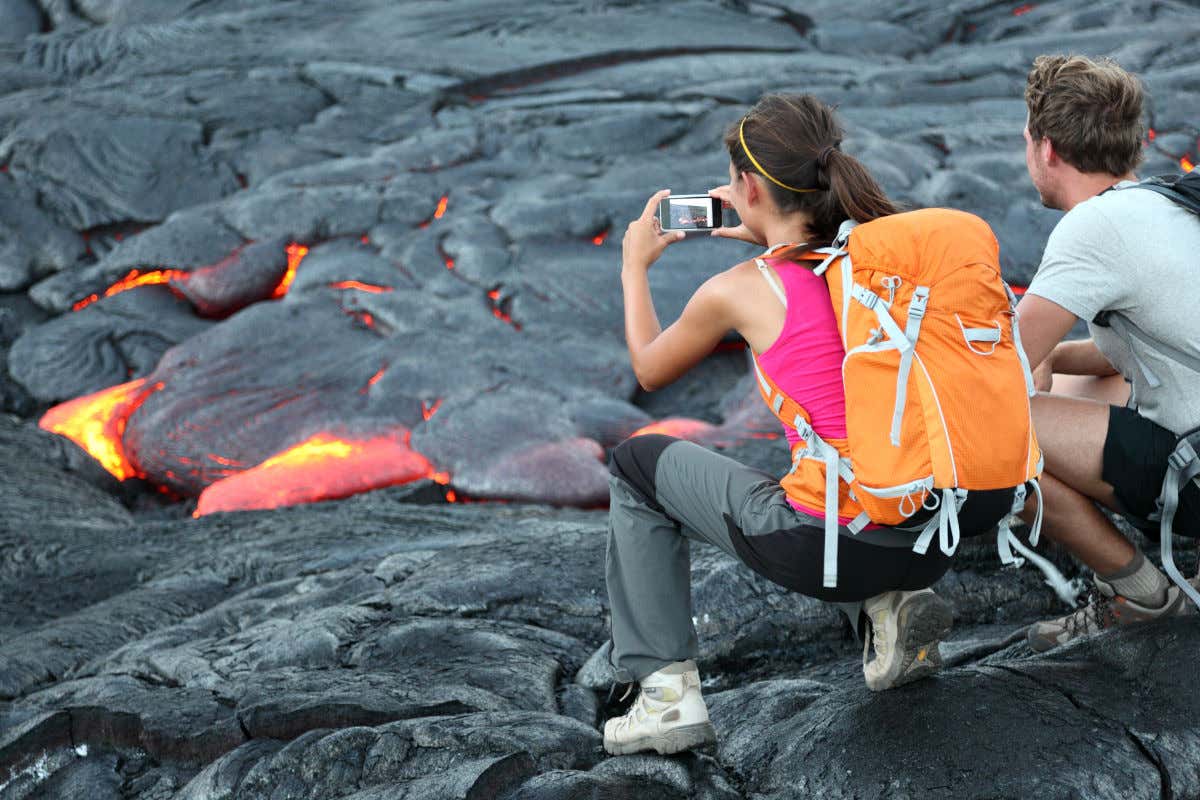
[{"x": 635, "y": 462}]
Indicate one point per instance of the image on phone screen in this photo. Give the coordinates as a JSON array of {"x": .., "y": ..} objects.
[{"x": 689, "y": 213}]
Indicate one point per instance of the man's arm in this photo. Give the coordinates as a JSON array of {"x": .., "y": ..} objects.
[
  {"x": 1043, "y": 323},
  {"x": 1081, "y": 357}
]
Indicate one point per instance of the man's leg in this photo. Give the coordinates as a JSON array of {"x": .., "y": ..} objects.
[{"x": 1071, "y": 432}]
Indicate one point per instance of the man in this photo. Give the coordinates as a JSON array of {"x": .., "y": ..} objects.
[{"x": 1130, "y": 251}]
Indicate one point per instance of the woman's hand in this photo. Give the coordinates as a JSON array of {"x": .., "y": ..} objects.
[
  {"x": 644, "y": 239},
  {"x": 739, "y": 232}
]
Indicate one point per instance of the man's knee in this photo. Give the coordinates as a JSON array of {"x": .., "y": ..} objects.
[{"x": 635, "y": 462}]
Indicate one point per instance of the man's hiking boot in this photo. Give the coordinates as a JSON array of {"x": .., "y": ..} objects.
[
  {"x": 668, "y": 715},
  {"x": 1105, "y": 609},
  {"x": 906, "y": 628}
]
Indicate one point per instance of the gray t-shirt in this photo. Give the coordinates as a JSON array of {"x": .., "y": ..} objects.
[{"x": 1136, "y": 252}]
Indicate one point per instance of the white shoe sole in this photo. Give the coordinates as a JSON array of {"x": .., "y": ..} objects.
[
  {"x": 676, "y": 740},
  {"x": 925, "y": 620}
]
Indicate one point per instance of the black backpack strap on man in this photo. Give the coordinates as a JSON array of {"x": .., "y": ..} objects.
[{"x": 1183, "y": 465}]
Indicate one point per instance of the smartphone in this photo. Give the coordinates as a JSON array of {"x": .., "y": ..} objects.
[{"x": 689, "y": 212}]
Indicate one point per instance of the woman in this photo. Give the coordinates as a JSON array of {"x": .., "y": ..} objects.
[{"x": 792, "y": 188}]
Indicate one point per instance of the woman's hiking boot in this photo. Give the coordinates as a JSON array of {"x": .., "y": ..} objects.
[
  {"x": 906, "y": 628},
  {"x": 667, "y": 716},
  {"x": 1104, "y": 609}
]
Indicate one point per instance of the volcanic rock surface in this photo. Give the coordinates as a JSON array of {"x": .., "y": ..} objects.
[{"x": 305, "y": 224}]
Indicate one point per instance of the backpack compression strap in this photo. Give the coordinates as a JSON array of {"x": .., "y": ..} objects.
[{"x": 1183, "y": 467}]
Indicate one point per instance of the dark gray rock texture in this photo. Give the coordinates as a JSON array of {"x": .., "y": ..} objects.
[{"x": 402, "y": 222}]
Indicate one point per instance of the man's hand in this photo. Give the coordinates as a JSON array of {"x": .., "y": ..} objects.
[
  {"x": 644, "y": 239},
  {"x": 1043, "y": 374}
]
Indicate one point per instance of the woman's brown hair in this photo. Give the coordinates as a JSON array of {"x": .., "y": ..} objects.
[{"x": 796, "y": 139}]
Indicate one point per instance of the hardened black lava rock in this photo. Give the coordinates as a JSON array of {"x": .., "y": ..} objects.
[{"x": 460, "y": 175}]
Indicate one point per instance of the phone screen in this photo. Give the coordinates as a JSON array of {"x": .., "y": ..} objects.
[{"x": 689, "y": 213}]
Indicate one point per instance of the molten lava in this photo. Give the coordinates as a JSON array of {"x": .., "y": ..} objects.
[
  {"x": 295, "y": 254},
  {"x": 362, "y": 287},
  {"x": 96, "y": 422},
  {"x": 1023, "y": 9},
  {"x": 599, "y": 238},
  {"x": 428, "y": 411},
  {"x": 440, "y": 211},
  {"x": 679, "y": 427},
  {"x": 134, "y": 279},
  {"x": 323, "y": 467},
  {"x": 374, "y": 379},
  {"x": 498, "y": 312},
  {"x": 1187, "y": 164}
]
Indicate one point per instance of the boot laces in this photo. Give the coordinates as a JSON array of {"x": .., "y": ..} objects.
[{"x": 1096, "y": 614}]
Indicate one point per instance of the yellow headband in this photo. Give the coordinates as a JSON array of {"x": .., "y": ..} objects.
[{"x": 758, "y": 166}]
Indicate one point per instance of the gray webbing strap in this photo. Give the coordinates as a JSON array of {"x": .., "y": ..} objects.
[
  {"x": 1128, "y": 331},
  {"x": 944, "y": 523},
  {"x": 1030, "y": 389},
  {"x": 822, "y": 450},
  {"x": 1182, "y": 467},
  {"x": 916, "y": 313}
]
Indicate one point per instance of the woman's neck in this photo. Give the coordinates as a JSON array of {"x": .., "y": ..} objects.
[{"x": 792, "y": 229}]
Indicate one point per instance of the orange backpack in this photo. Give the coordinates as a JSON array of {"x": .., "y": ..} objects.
[{"x": 937, "y": 383}]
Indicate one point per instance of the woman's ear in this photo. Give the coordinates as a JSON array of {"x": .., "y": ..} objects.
[{"x": 753, "y": 189}]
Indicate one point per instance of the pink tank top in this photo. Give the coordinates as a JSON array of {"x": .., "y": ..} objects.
[{"x": 806, "y": 360}]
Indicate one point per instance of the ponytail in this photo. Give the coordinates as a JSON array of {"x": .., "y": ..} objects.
[{"x": 855, "y": 191}]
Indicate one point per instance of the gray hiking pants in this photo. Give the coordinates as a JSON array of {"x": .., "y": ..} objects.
[{"x": 667, "y": 492}]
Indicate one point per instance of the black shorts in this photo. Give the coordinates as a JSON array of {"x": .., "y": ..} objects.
[{"x": 1135, "y": 463}]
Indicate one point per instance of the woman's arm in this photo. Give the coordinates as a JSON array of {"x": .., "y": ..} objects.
[{"x": 658, "y": 356}]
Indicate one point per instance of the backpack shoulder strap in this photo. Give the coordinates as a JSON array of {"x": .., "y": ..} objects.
[
  {"x": 1183, "y": 190},
  {"x": 1127, "y": 330}
]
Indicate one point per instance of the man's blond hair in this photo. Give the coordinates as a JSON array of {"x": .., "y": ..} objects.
[{"x": 1090, "y": 110}]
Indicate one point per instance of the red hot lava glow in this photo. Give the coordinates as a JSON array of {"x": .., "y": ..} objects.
[
  {"x": 324, "y": 467},
  {"x": 96, "y": 422},
  {"x": 134, "y": 279},
  {"x": 440, "y": 211},
  {"x": 679, "y": 427},
  {"x": 599, "y": 238},
  {"x": 1023, "y": 9},
  {"x": 428, "y": 411},
  {"x": 1187, "y": 164},
  {"x": 362, "y": 287},
  {"x": 295, "y": 254}
]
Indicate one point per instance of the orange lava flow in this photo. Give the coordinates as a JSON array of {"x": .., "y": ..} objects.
[
  {"x": 362, "y": 287},
  {"x": 679, "y": 427},
  {"x": 96, "y": 422},
  {"x": 133, "y": 279},
  {"x": 323, "y": 467},
  {"x": 429, "y": 411},
  {"x": 1187, "y": 164},
  {"x": 440, "y": 211},
  {"x": 374, "y": 379},
  {"x": 295, "y": 254}
]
